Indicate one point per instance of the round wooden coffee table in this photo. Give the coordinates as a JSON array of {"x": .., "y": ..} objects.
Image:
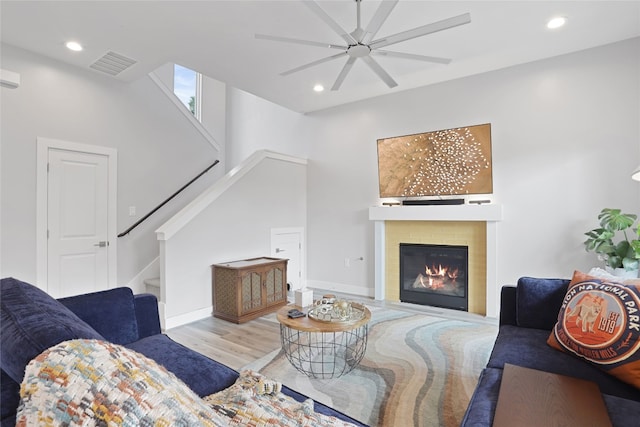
[{"x": 323, "y": 349}]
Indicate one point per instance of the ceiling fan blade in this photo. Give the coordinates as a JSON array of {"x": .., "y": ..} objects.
[
  {"x": 314, "y": 63},
  {"x": 343, "y": 73},
  {"x": 424, "y": 58},
  {"x": 379, "y": 71},
  {"x": 422, "y": 31},
  {"x": 383, "y": 12},
  {"x": 298, "y": 41},
  {"x": 315, "y": 8}
]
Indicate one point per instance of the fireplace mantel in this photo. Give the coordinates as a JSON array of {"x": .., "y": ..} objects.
[
  {"x": 488, "y": 212},
  {"x": 491, "y": 214}
]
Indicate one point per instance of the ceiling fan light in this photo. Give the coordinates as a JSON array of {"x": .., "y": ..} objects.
[{"x": 556, "y": 22}]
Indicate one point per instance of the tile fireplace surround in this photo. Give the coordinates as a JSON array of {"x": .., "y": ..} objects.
[{"x": 423, "y": 217}]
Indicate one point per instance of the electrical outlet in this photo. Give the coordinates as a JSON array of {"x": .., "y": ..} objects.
[
  {"x": 347, "y": 262},
  {"x": 132, "y": 211}
]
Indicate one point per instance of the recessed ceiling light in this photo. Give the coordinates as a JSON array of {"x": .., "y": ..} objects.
[
  {"x": 318, "y": 88},
  {"x": 74, "y": 46},
  {"x": 556, "y": 22}
]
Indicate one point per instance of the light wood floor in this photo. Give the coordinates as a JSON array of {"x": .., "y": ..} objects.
[
  {"x": 228, "y": 343},
  {"x": 238, "y": 345}
]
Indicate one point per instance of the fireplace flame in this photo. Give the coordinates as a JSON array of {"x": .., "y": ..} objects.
[
  {"x": 437, "y": 276},
  {"x": 433, "y": 271}
]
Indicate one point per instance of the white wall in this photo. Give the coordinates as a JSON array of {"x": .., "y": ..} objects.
[
  {"x": 255, "y": 124},
  {"x": 237, "y": 225},
  {"x": 213, "y": 103},
  {"x": 158, "y": 152},
  {"x": 565, "y": 135},
  {"x": 214, "y": 113}
]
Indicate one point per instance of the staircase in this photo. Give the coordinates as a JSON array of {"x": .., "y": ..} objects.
[
  {"x": 230, "y": 220},
  {"x": 152, "y": 286},
  {"x": 213, "y": 134}
]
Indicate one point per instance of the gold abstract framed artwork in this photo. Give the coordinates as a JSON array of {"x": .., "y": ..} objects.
[{"x": 445, "y": 162}]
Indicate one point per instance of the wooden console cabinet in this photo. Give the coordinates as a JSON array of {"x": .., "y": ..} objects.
[{"x": 250, "y": 288}]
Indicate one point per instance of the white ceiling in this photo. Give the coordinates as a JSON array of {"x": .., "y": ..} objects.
[{"x": 217, "y": 39}]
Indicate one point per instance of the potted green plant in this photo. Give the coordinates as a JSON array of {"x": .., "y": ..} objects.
[{"x": 622, "y": 258}]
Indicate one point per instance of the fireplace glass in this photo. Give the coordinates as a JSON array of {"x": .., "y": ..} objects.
[{"x": 435, "y": 275}]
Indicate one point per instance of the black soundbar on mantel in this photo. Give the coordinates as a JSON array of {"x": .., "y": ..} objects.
[{"x": 433, "y": 202}]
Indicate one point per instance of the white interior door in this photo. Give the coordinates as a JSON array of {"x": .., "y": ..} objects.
[
  {"x": 80, "y": 233},
  {"x": 289, "y": 243}
]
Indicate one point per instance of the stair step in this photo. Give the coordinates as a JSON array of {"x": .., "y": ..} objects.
[
  {"x": 152, "y": 286},
  {"x": 154, "y": 281}
]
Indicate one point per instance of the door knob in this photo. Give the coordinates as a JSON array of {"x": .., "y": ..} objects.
[
  {"x": 278, "y": 250},
  {"x": 102, "y": 244}
]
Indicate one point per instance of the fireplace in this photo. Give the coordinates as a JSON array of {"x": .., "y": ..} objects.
[
  {"x": 474, "y": 226},
  {"x": 435, "y": 275}
]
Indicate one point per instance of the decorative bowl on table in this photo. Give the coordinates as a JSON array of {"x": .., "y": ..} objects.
[{"x": 335, "y": 310}]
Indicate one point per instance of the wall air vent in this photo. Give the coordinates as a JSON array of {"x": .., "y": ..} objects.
[{"x": 112, "y": 63}]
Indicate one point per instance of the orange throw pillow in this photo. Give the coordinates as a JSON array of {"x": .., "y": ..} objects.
[{"x": 600, "y": 321}]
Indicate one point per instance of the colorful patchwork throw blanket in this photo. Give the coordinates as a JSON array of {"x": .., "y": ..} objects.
[{"x": 96, "y": 383}]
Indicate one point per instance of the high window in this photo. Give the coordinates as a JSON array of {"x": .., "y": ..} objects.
[{"x": 187, "y": 85}]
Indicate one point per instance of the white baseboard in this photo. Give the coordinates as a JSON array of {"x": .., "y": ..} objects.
[
  {"x": 183, "y": 319},
  {"x": 342, "y": 288}
]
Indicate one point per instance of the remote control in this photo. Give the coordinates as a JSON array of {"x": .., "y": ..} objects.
[{"x": 294, "y": 314}]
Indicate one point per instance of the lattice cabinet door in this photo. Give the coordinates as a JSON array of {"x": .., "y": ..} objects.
[
  {"x": 246, "y": 289},
  {"x": 275, "y": 285},
  {"x": 251, "y": 292}
]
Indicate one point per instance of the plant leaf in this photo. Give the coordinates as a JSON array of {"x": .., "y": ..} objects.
[
  {"x": 630, "y": 264},
  {"x": 622, "y": 248},
  {"x": 615, "y": 220},
  {"x": 635, "y": 245},
  {"x": 614, "y": 261}
]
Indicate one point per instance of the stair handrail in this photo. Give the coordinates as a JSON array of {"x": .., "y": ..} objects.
[{"x": 154, "y": 210}]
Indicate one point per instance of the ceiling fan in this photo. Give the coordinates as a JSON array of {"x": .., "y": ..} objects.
[{"x": 360, "y": 43}]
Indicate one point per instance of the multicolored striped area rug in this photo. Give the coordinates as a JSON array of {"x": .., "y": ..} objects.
[{"x": 418, "y": 370}]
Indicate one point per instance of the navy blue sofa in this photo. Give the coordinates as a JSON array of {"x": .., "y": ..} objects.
[
  {"x": 528, "y": 313},
  {"x": 32, "y": 321}
]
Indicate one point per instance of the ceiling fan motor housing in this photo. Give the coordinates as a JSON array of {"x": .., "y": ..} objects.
[{"x": 358, "y": 50}]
